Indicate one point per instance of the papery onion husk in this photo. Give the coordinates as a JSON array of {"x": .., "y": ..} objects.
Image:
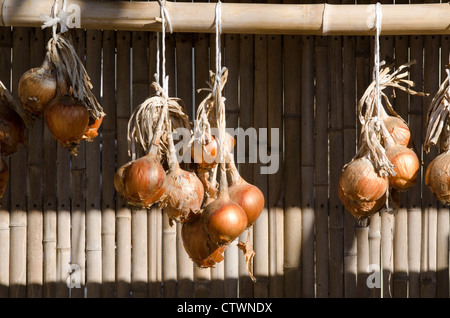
[
  {"x": 406, "y": 167},
  {"x": 4, "y": 177},
  {"x": 197, "y": 244},
  {"x": 223, "y": 219},
  {"x": 67, "y": 120},
  {"x": 437, "y": 177},
  {"x": 183, "y": 194},
  {"x": 361, "y": 209},
  {"x": 143, "y": 181},
  {"x": 398, "y": 130},
  {"x": 12, "y": 129},
  {"x": 37, "y": 87},
  {"x": 360, "y": 187},
  {"x": 92, "y": 130}
]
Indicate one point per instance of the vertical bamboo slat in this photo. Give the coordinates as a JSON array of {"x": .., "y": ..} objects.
[
  {"x": 261, "y": 227},
  {"x": 123, "y": 213},
  {"x": 5, "y": 77},
  {"x": 246, "y": 109},
  {"x": 321, "y": 167},
  {"x": 78, "y": 193},
  {"x": 414, "y": 203},
  {"x": 307, "y": 167},
  {"x": 108, "y": 154},
  {"x": 94, "y": 262},
  {"x": 139, "y": 249},
  {"x": 292, "y": 176},
  {"x": 18, "y": 218},
  {"x": 154, "y": 217},
  {"x": 374, "y": 254},
  {"x": 275, "y": 177},
  {"x": 35, "y": 170},
  {"x": 349, "y": 135}
]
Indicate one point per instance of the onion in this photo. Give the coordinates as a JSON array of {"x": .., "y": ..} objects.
[
  {"x": 197, "y": 244},
  {"x": 246, "y": 195},
  {"x": 37, "y": 87},
  {"x": 398, "y": 130},
  {"x": 67, "y": 120},
  {"x": 360, "y": 186},
  {"x": 437, "y": 177},
  {"x": 361, "y": 208},
  {"x": 12, "y": 129},
  {"x": 141, "y": 181},
  {"x": 92, "y": 130},
  {"x": 406, "y": 167},
  {"x": 4, "y": 177},
  {"x": 223, "y": 219},
  {"x": 207, "y": 155}
]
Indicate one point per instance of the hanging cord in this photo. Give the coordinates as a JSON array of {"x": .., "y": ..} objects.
[
  {"x": 378, "y": 16},
  {"x": 163, "y": 19},
  {"x": 57, "y": 17}
]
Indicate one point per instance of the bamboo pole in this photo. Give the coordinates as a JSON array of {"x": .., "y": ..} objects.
[
  {"x": 78, "y": 193},
  {"x": 246, "y": 109},
  {"x": 230, "y": 58},
  {"x": 154, "y": 213},
  {"x": 35, "y": 170},
  {"x": 374, "y": 255},
  {"x": 18, "y": 218},
  {"x": 184, "y": 85},
  {"x": 94, "y": 262},
  {"x": 321, "y": 167},
  {"x": 139, "y": 249},
  {"x": 123, "y": 213},
  {"x": 275, "y": 178},
  {"x": 260, "y": 120},
  {"x": 202, "y": 276},
  {"x": 307, "y": 167},
  {"x": 363, "y": 79},
  {"x": 108, "y": 133},
  {"x": 336, "y": 220},
  {"x": 5, "y": 77},
  {"x": 431, "y": 85},
  {"x": 349, "y": 135},
  {"x": 257, "y": 18},
  {"x": 400, "y": 275},
  {"x": 414, "y": 202}
]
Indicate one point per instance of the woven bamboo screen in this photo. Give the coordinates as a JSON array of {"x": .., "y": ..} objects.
[{"x": 60, "y": 213}]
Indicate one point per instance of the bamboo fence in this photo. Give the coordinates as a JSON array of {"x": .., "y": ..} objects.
[{"x": 60, "y": 217}]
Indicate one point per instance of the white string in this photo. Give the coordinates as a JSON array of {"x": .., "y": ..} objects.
[
  {"x": 378, "y": 16},
  {"x": 57, "y": 17},
  {"x": 164, "y": 17}
]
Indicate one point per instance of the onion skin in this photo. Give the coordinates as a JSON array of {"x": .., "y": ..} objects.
[
  {"x": 360, "y": 187},
  {"x": 224, "y": 220},
  {"x": 398, "y": 130},
  {"x": 37, "y": 87},
  {"x": 437, "y": 177},
  {"x": 183, "y": 194},
  {"x": 406, "y": 166},
  {"x": 4, "y": 177},
  {"x": 249, "y": 198},
  {"x": 67, "y": 120},
  {"x": 92, "y": 130},
  {"x": 143, "y": 181},
  {"x": 361, "y": 209},
  {"x": 197, "y": 244},
  {"x": 12, "y": 130}
]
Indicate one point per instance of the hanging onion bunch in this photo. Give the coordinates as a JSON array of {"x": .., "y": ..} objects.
[
  {"x": 71, "y": 113},
  {"x": 437, "y": 176},
  {"x": 383, "y": 160}
]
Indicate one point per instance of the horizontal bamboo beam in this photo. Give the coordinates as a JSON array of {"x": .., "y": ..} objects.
[{"x": 248, "y": 18}]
